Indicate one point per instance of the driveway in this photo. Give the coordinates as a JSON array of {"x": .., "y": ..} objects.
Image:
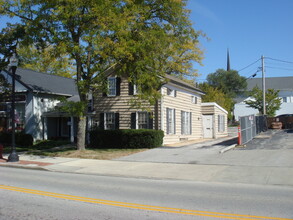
[
  {"x": 273, "y": 148},
  {"x": 199, "y": 153}
]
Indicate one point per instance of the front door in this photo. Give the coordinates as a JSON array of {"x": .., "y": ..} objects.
[{"x": 208, "y": 131}]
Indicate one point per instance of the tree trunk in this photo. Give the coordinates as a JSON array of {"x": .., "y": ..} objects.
[{"x": 81, "y": 133}]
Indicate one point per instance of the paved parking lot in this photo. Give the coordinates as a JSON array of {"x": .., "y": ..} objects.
[
  {"x": 272, "y": 148},
  {"x": 272, "y": 140}
]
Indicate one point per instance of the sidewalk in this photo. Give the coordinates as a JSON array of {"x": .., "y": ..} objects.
[{"x": 191, "y": 172}]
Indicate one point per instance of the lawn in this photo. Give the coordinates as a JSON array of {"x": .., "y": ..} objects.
[
  {"x": 65, "y": 149},
  {"x": 98, "y": 154}
]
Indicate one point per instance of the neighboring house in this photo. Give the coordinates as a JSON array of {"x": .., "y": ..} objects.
[
  {"x": 36, "y": 96},
  {"x": 178, "y": 112},
  {"x": 283, "y": 84}
]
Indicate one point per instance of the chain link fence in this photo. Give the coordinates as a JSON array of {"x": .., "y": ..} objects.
[{"x": 250, "y": 126}]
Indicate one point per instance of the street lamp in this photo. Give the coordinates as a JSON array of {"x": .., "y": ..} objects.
[{"x": 13, "y": 62}]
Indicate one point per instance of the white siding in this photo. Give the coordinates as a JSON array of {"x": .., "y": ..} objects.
[
  {"x": 36, "y": 105},
  {"x": 216, "y": 110},
  {"x": 182, "y": 102}
]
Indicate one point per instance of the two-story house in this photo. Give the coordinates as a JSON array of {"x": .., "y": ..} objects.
[{"x": 179, "y": 112}]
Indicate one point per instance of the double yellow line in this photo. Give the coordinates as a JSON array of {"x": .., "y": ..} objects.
[{"x": 139, "y": 206}]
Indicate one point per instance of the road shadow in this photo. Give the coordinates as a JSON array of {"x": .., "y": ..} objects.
[
  {"x": 290, "y": 131},
  {"x": 227, "y": 142},
  {"x": 223, "y": 143}
]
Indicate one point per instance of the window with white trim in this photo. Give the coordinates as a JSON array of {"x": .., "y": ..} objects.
[
  {"x": 194, "y": 99},
  {"x": 286, "y": 99},
  {"x": 185, "y": 122},
  {"x": 135, "y": 89},
  {"x": 142, "y": 120},
  {"x": 170, "y": 121},
  {"x": 112, "y": 86},
  {"x": 221, "y": 123},
  {"x": 109, "y": 120},
  {"x": 171, "y": 92},
  {"x": 90, "y": 105}
]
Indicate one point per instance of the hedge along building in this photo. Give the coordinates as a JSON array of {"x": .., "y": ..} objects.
[
  {"x": 37, "y": 94},
  {"x": 178, "y": 112}
]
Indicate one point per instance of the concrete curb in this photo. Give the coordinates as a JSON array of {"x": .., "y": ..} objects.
[
  {"x": 30, "y": 167},
  {"x": 228, "y": 148}
]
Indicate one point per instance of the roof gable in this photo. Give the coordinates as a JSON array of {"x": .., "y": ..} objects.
[{"x": 46, "y": 83}]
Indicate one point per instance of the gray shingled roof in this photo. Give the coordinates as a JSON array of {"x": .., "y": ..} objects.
[
  {"x": 183, "y": 84},
  {"x": 278, "y": 83},
  {"x": 47, "y": 83}
]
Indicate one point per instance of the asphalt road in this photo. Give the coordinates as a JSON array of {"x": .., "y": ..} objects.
[{"x": 32, "y": 194}]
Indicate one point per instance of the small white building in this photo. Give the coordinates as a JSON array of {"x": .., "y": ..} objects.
[{"x": 214, "y": 120}]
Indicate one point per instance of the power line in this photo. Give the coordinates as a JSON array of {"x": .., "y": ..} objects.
[
  {"x": 273, "y": 67},
  {"x": 253, "y": 75},
  {"x": 249, "y": 65},
  {"x": 284, "y": 61}
]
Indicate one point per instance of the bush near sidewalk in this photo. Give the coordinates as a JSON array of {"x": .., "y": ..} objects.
[
  {"x": 21, "y": 139},
  {"x": 126, "y": 139}
]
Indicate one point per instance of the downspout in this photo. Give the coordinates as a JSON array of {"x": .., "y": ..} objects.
[
  {"x": 162, "y": 109},
  {"x": 71, "y": 129},
  {"x": 157, "y": 115}
]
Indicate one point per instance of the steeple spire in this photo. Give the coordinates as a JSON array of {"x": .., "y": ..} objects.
[{"x": 228, "y": 60}]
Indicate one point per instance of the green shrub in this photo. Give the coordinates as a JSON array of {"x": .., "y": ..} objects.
[
  {"x": 5, "y": 138},
  {"x": 129, "y": 138},
  {"x": 21, "y": 139}
]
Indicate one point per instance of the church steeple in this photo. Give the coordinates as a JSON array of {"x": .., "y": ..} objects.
[{"x": 228, "y": 60}]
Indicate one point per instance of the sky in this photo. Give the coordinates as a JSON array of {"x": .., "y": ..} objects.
[{"x": 250, "y": 29}]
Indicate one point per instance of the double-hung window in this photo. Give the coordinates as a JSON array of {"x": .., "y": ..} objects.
[
  {"x": 109, "y": 121},
  {"x": 142, "y": 120},
  {"x": 194, "y": 99},
  {"x": 185, "y": 122},
  {"x": 135, "y": 91},
  {"x": 171, "y": 92},
  {"x": 112, "y": 86},
  {"x": 132, "y": 89},
  {"x": 170, "y": 121},
  {"x": 221, "y": 123},
  {"x": 285, "y": 99}
]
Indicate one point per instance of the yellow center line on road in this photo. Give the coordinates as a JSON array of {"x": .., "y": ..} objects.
[{"x": 140, "y": 206}]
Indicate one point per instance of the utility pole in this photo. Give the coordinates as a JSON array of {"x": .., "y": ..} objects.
[{"x": 263, "y": 85}]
